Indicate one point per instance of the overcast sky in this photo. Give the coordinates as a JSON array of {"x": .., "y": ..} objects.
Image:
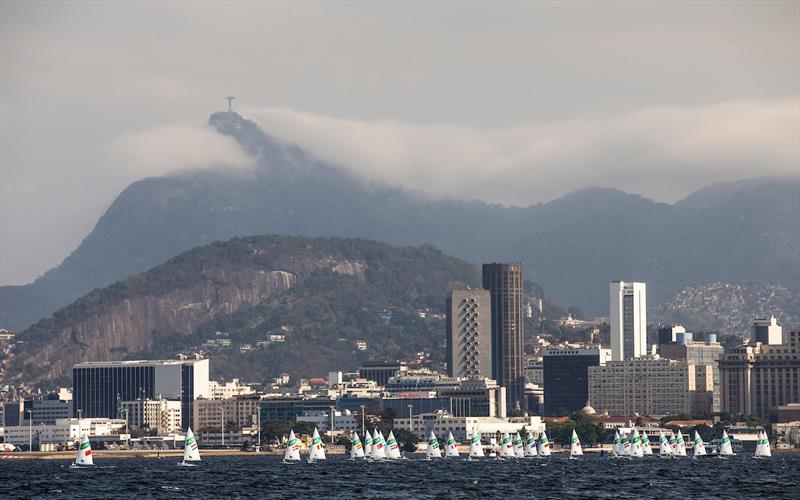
[{"x": 653, "y": 98}]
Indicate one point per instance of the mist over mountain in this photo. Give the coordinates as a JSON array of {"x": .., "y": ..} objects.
[{"x": 573, "y": 245}]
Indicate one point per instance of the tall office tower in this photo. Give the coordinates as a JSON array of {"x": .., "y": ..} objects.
[
  {"x": 469, "y": 334},
  {"x": 628, "y": 320},
  {"x": 566, "y": 377},
  {"x": 99, "y": 388},
  {"x": 504, "y": 282},
  {"x": 767, "y": 331}
]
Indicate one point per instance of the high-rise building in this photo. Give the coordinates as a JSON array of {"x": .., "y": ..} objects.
[
  {"x": 161, "y": 415},
  {"x": 650, "y": 386},
  {"x": 504, "y": 282},
  {"x": 469, "y": 334},
  {"x": 566, "y": 377},
  {"x": 767, "y": 331},
  {"x": 628, "y": 305},
  {"x": 99, "y": 388},
  {"x": 758, "y": 378},
  {"x": 702, "y": 353}
]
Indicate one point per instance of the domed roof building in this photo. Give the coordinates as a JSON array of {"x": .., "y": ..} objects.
[{"x": 587, "y": 410}]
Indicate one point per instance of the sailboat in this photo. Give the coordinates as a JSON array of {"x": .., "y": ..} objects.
[
  {"x": 646, "y": 444},
  {"x": 507, "y": 447},
  {"x": 317, "y": 452},
  {"x": 292, "y": 453},
  {"x": 575, "y": 446},
  {"x": 356, "y": 449},
  {"x": 392, "y": 448},
  {"x": 616, "y": 448},
  {"x": 544, "y": 445},
  {"x": 475, "y": 446},
  {"x": 673, "y": 444},
  {"x": 530, "y": 446},
  {"x": 378, "y": 446},
  {"x": 680, "y": 444},
  {"x": 699, "y": 447},
  {"x": 451, "y": 448},
  {"x": 725, "y": 448},
  {"x": 762, "y": 446},
  {"x": 664, "y": 448},
  {"x": 626, "y": 440},
  {"x": 191, "y": 453},
  {"x": 519, "y": 448},
  {"x": 433, "y": 447},
  {"x": 636, "y": 447},
  {"x": 84, "y": 455},
  {"x": 367, "y": 444}
]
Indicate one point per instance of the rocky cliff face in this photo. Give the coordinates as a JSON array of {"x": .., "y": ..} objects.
[{"x": 115, "y": 326}]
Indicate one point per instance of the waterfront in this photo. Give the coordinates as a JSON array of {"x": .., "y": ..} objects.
[{"x": 266, "y": 477}]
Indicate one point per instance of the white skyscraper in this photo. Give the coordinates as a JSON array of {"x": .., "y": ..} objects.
[{"x": 628, "y": 304}]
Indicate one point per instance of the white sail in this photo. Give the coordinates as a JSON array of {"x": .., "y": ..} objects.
[
  {"x": 636, "y": 447},
  {"x": 191, "y": 453},
  {"x": 378, "y": 445},
  {"x": 544, "y": 445},
  {"x": 356, "y": 449},
  {"x": 575, "y": 445},
  {"x": 316, "y": 452},
  {"x": 507, "y": 447},
  {"x": 762, "y": 446},
  {"x": 673, "y": 443},
  {"x": 725, "y": 448},
  {"x": 451, "y": 448},
  {"x": 664, "y": 448},
  {"x": 699, "y": 448},
  {"x": 292, "y": 448},
  {"x": 519, "y": 448},
  {"x": 680, "y": 444},
  {"x": 530, "y": 446},
  {"x": 616, "y": 448},
  {"x": 392, "y": 448},
  {"x": 367, "y": 444},
  {"x": 433, "y": 447},
  {"x": 475, "y": 446},
  {"x": 646, "y": 444},
  {"x": 626, "y": 441},
  {"x": 84, "y": 454}
]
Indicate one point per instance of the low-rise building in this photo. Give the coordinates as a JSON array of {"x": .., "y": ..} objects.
[
  {"x": 227, "y": 390},
  {"x": 65, "y": 431},
  {"x": 161, "y": 415},
  {"x": 236, "y": 413},
  {"x": 462, "y": 427}
]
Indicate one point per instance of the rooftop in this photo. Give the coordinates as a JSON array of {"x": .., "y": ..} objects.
[{"x": 140, "y": 362}]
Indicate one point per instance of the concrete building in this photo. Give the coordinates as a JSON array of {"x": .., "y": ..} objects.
[
  {"x": 649, "y": 386},
  {"x": 42, "y": 411},
  {"x": 343, "y": 421},
  {"x": 381, "y": 371},
  {"x": 758, "y": 378},
  {"x": 701, "y": 353},
  {"x": 628, "y": 313},
  {"x": 227, "y": 390},
  {"x": 669, "y": 334},
  {"x": 534, "y": 372},
  {"x": 236, "y": 413},
  {"x": 505, "y": 284},
  {"x": 161, "y": 415},
  {"x": 767, "y": 331},
  {"x": 566, "y": 377},
  {"x": 441, "y": 423},
  {"x": 99, "y": 387},
  {"x": 469, "y": 334},
  {"x": 65, "y": 431}
]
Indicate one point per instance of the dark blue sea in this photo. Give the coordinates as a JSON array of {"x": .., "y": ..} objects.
[{"x": 266, "y": 477}]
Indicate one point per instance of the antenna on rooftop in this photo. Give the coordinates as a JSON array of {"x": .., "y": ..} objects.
[{"x": 230, "y": 99}]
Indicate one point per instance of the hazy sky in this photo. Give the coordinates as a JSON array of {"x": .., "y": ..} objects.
[{"x": 654, "y": 98}]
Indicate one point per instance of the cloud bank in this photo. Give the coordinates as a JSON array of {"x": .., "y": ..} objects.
[
  {"x": 660, "y": 152},
  {"x": 171, "y": 148}
]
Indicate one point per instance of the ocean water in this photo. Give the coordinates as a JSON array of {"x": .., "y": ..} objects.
[{"x": 266, "y": 477}]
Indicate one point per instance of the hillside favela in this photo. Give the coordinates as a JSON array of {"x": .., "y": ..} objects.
[{"x": 400, "y": 250}]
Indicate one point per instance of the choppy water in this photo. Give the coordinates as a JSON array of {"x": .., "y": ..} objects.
[{"x": 267, "y": 477}]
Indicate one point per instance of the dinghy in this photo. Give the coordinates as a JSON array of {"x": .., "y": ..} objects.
[
  {"x": 762, "y": 446},
  {"x": 626, "y": 440},
  {"x": 356, "y": 449},
  {"x": 544, "y": 445},
  {"x": 616, "y": 448},
  {"x": 646, "y": 444},
  {"x": 433, "y": 447},
  {"x": 507, "y": 447},
  {"x": 575, "y": 446},
  {"x": 673, "y": 444},
  {"x": 292, "y": 453},
  {"x": 378, "y": 446},
  {"x": 699, "y": 449},
  {"x": 475, "y": 446},
  {"x": 451, "y": 448},
  {"x": 530, "y": 446},
  {"x": 664, "y": 448},
  {"x": 83, "y": 457},
  {"x": 367, "y": 444},
  {"x": 392, "y": 448},
  {"x": 680, "y": 444},
  {"x": 519, "y": 448},
  {"x": 317, "y": 452},
  {"x": 725, "y": 448},
  {"x": 636, "y": 446},
  {"x": 191, "y": 453}
]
